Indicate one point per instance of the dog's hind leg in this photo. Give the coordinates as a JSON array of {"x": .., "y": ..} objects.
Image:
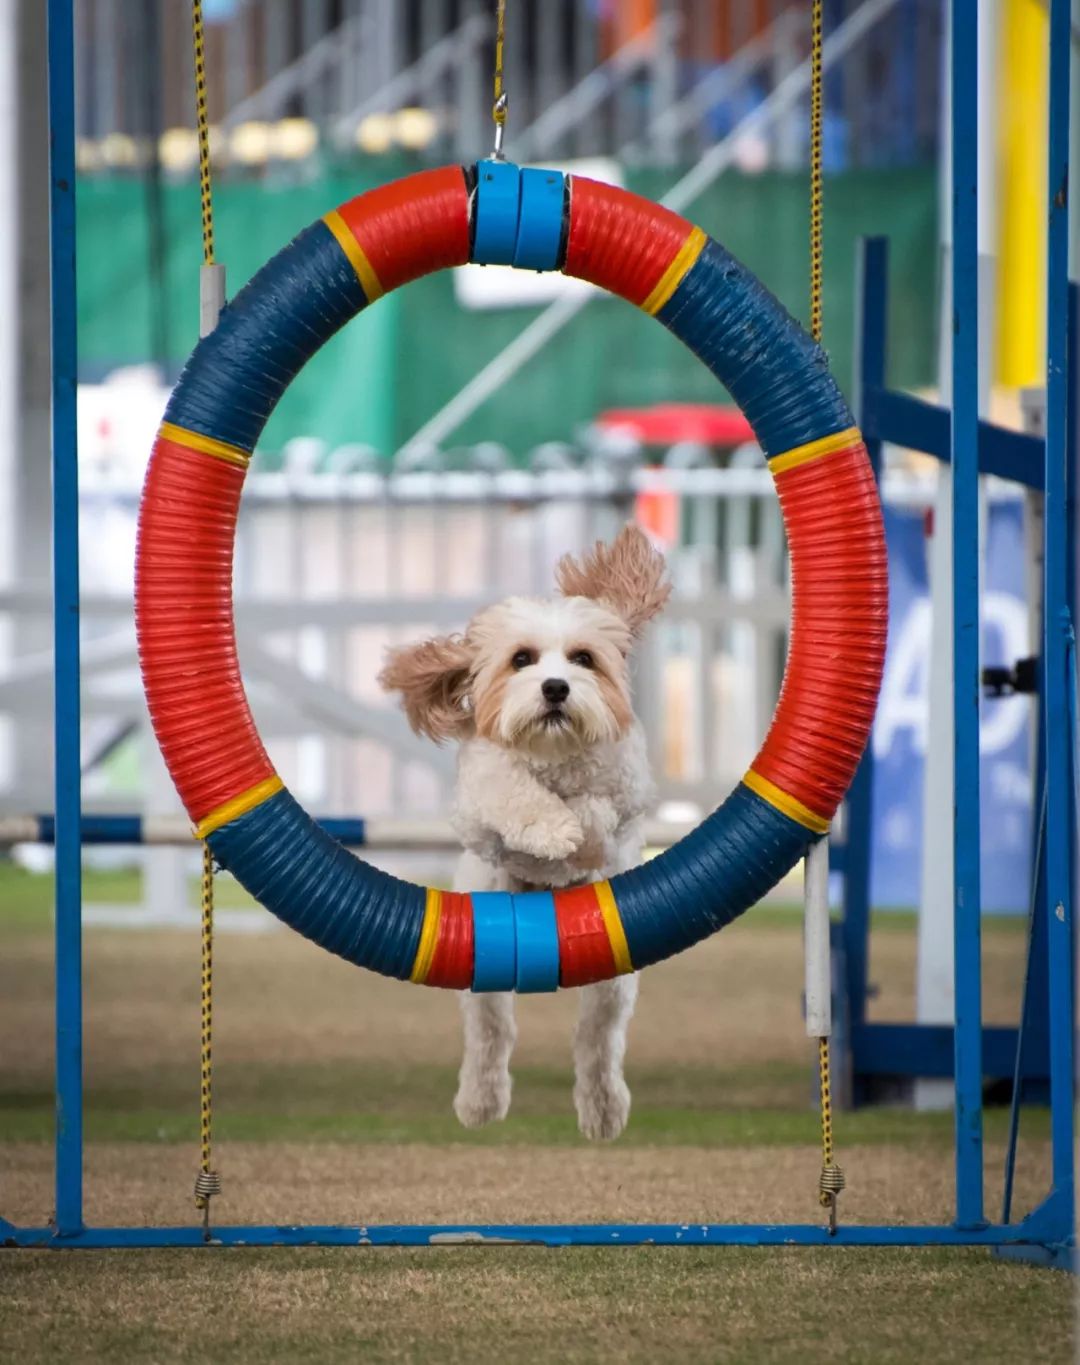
[
  {"x": 601, "y": 1096},
  {"x": 484, "y": 1080}
]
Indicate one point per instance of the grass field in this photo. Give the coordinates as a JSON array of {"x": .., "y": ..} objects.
[{"x": 332, "y": 1104}]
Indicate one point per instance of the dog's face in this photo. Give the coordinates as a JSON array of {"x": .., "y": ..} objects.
[{"x": 548, "y": 676}]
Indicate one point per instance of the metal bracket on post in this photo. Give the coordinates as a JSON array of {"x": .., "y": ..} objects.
[{"x": 211, "y": 297}]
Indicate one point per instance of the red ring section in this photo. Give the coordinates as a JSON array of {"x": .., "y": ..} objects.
[
  {"x": 452, "y": 963},
  {"x": 412, "y": 227},
  {"x": 839, "y": 620},
  {"x": 187, "y": 526},
  {"x": 619, "y": 242},
  {"x": 585, "y": 953},
  {"x": 185, "y": 631}
]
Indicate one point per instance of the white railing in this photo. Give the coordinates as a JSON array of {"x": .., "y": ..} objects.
[{"x": 330, "y": 569}]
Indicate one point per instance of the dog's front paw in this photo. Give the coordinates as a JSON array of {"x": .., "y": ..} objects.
[
  {"x": 482, "y": 1099},
  {"x": 556, "y": 838},
  {"x": 603, "y": 1108}
]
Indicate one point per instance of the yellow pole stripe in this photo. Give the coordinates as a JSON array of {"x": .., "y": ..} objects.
[
  {"x": 369, "y": 281},
  {"x": 205, "y": 445},
  {"x": 239, "y": 805},
  {"x": 781, "y": 801},
  {"x": 814, "y": 450},
  {"x": 620, "y": 949},
  {"x": 672, "y": 277},
  {"x": 429, "y": 937}
]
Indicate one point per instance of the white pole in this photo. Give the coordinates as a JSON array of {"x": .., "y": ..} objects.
[
  {"x": 9, "y": 339},
  {"x": 816, "y": 941}
]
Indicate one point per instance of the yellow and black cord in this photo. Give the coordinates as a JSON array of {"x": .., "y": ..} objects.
[
  {"x": 831, "y": 1181},
  {"x": 501, "y": 99},
  {"x": 816, "y": 131},
  {"x": 207, "y": 1182},
  {"x": 203, "y": 125}
]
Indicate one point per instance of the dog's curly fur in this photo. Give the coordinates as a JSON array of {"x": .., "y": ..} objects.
[{"x": 553, "y": 782}]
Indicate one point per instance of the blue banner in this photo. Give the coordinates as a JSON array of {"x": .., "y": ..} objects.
[{"x": 900, "y": 731}]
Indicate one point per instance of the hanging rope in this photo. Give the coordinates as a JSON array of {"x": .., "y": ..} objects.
[
  {"x": 207, "y": 1182},
  {"x": 203, "y": 124},
  {"x": 831, "y": 1181},
  {"x": 502, "y": 99},
  {"x": 815, "y": 168}
]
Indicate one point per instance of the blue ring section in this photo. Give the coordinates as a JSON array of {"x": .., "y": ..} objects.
[
  {"x": 540, "y": 220},
  {"x": 276, "y": 323},
  {"x": 774, "y": 370},
  {"x": 537, "y": 941},
  {"x": 708, "y": 878},
  {"x": 305, "y": 877},
  {"x": 494, "y": 941},
  {"x": 495, "y": 214}
]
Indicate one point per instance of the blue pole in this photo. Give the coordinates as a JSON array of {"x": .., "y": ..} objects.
[
  {"x": 1056, "y": 625},
  {"x": 965, "y": 567},
  {"x": 69, "y": 1217}
]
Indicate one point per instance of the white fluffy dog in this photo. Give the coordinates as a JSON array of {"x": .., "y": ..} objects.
[{"x": 553, "y": 782}]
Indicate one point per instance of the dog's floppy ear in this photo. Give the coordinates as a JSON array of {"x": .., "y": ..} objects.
[
  {"x": 433, "y": 679},
  {"x": 629, "y": 575}
]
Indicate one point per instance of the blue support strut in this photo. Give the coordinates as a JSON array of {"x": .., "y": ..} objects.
[
  {"x": 965, "y": 574},
  {"x": 65, "y": 488},
  {"x": 1056, "y": 626}
]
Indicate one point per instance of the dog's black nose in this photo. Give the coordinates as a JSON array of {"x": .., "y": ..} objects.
[{"x": 555, "y": 690}]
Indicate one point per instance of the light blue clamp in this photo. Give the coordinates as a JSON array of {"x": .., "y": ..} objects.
[
  {"x": 537, "y": 941},
  {"x": 494, "y": 941},
  {"x": 498, "y": 199},
  {"x": 540, "y": 220},
  {"x": 518, "y": 216}
]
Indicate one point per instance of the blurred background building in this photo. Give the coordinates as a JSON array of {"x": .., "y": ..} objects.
[{"x": 411, "y": 472}]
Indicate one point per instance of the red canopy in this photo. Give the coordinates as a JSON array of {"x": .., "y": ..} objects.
[{"x": 668, "y": 423}]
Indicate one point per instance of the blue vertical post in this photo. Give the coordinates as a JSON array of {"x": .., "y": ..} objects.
[
  {"x": 964, "y": 60},
  {"x": 69, "y": 1218},
  {"x": 1056, "y": 623}
]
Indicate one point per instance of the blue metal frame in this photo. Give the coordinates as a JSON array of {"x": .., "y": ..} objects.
[
  {"x": 1045, "y": 1234},
  {"x": 1057, "y": 626},
  {"x": 65, "y": 490},
  {"x": 967, "y": 892},
  {"x": 1030, "y": 1235}
]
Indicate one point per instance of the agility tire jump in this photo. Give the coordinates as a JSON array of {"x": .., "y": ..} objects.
[{"x": 495, "y": 213}]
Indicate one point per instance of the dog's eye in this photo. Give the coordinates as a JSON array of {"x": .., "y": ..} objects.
[
  {"x": 582, "y": 658},
  {"x": 522, "y": 659}
]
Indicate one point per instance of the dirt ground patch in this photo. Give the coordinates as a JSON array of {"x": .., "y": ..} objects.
[{"x": 332, "y": 1105}]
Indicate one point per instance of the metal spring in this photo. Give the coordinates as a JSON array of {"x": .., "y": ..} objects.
[
  {"x": 831, "y": 1181},
  {"x": 207, "y": 1184}
]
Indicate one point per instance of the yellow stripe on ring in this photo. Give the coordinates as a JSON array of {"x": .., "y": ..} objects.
[
  {"x": 429, "y": 937},
  {"x": 672, "y": 277},
  {"x": 369, "y": 281},
  {"x": 205, "y": 445},
  {"x": 238, "y": 805},
  {"x": 814, "y": 450},
  {"x": 788, "y": 805},
  {"x": 620, "y": 949}
]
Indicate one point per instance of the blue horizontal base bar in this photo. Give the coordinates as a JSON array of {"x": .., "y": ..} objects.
[
  {"x": 526, "y": 1234},
  {"x": 128, "y": 829},
  {"x": 927, "y": 1050}
]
